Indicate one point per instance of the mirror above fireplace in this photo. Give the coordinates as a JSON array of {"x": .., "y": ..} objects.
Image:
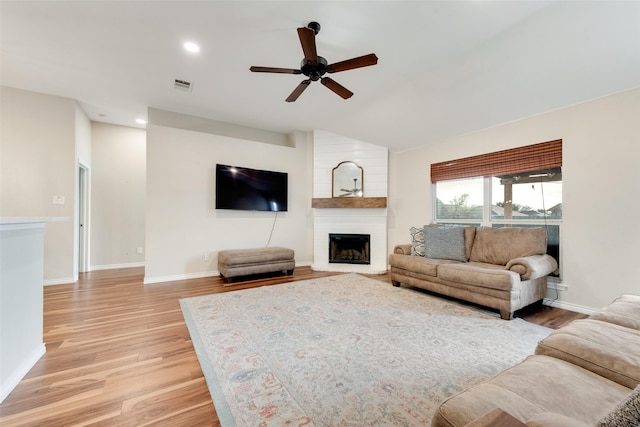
[{"x": 348, "y": 180}]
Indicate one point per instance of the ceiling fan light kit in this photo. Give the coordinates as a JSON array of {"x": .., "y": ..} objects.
[{"x": 315, "y": 67}]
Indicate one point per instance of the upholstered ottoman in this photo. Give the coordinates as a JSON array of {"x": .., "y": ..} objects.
[{"x": 243, "y": 262}]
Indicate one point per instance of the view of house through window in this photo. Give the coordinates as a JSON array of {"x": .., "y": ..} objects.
[{"x": 530, "y": 199}]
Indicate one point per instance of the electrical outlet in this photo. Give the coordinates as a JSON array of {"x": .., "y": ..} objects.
[
  {"x": 58, "y": 200},
  {"x": 206, "y": 257},
  {"x": 139, "y": 250}
]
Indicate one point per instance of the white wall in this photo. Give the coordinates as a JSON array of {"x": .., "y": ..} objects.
[
  {"x": 182, "y": 224},
  {"x": 330, "y": 149},
  {"x": 601, "y": 190},
  {"x": 38, "y": 161},
  {"x": 118, "y": 186}
]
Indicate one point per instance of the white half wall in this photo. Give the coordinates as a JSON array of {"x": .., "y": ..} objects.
[
  {"x": 601, "y": 190},
  {"x": 182, "y": 224}
]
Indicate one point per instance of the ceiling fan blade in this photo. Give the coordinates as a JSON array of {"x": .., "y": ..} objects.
[
  {"x": 308, "y": 42},
  {"x": 274, "y": 70},
  {"x": 336, "y": 87},
  {"x": 350, "y": 64},
  {"x": 298, "y": 90}
]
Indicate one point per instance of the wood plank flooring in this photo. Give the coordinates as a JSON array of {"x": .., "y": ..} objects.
[{"x": 119, "y": 353}]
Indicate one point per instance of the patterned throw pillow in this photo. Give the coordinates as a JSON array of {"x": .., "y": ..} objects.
[
  {"x": 625, "y": 414},
  {"x": 417, "y": 241},
  {"x": 444, "y": 243}
]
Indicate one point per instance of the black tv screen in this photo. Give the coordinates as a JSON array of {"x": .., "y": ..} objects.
[{"x": 250, "y": 189}]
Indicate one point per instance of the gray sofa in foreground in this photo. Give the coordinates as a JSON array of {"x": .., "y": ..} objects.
[
  {"x": 502, "y": 268},
  {"x": 583, "y": 374}
]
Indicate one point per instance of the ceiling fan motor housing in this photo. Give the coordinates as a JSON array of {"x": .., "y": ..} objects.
[
  {"x": 314, "y": 70},
  {"x": 314, "y": 26}
]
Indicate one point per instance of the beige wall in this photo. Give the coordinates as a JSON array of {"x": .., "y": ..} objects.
[
  {"x": 38, "y": 161},
  {"x": 182, "y": 224},
  {"x": 118, "y": 185},
  {"x": 601, "y": 190}
]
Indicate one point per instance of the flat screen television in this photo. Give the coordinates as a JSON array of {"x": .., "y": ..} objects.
[{"x": 247, "y": 189}]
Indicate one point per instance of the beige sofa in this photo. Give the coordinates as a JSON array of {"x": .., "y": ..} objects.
[
  {"x": 584, "y": 374},
  {"x": 502, "y": 268}
]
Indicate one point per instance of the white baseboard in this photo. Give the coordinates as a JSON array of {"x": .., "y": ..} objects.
[
  {"x": 186, "y": 276},
  {"x": 199, "y": 275},
  {"x": 568, "y": 306},
  {"x": 63, "y": 281},
  {"x": 114, "y": 266},
  {"x": 16, "y": 376}
]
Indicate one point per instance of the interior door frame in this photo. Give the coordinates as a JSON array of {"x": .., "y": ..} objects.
[{"x": 83, "y": 218}]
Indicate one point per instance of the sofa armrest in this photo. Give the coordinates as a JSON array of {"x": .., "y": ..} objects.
[
  {"x": 402, "y": 249},
  {"x": 533, "y": 266}
]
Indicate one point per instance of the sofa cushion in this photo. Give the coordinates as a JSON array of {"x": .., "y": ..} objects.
[
  {"x": 624, "y": 311},
  {"x": 444, "y": 242},
  {"x": 417, "y": 241},
  {"x": 500, "y": 245},
  {"x": 537, "y": 385},
  {"x": 607, "y": 349},
  {"x": 551, "y": 419},
  {"x": 417, "y": 265},
  {"x": 625, "y": 414},
  {"x": 479, "y": 274}
]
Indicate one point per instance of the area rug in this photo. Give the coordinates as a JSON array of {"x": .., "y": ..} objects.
[{"x": 345, "y": 350}]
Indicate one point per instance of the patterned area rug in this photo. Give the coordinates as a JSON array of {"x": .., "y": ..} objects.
[{"x": 345, "y": 350}]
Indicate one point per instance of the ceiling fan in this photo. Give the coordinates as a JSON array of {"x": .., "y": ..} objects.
[{"x": 315, "y": 67}]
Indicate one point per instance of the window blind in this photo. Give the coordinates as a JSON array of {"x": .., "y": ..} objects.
[{"x": 536, "y": 157}]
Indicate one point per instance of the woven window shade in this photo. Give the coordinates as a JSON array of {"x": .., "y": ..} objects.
[{"x": 546, "y": 155}]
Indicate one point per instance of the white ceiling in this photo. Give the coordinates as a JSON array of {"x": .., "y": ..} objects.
[{"x": 445, "y": 67}]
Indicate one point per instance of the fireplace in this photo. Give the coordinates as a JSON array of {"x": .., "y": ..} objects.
[{"x": 349, "y": 248}]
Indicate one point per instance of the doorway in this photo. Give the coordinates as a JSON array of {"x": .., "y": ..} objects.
[{"x": 83, "y": 218}]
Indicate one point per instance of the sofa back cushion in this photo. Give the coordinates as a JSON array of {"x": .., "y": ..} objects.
[
  {"x": 469, "y": 237},
  {"x": 500, "y": 245}
]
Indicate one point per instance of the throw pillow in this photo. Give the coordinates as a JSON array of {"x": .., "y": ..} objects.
[
  {"x": 444, "y": 243},
  {"x": 625, "y": 414},
  {"x": 417, "y": 241}
]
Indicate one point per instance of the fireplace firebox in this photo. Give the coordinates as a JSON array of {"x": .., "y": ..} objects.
[{"x": 349, "y": 248}]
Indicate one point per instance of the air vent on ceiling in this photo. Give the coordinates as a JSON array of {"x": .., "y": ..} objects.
[{"x": 182, "y": 85}]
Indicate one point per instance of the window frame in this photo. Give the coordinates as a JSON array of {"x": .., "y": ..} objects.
[{"x": 488, "y": 221}]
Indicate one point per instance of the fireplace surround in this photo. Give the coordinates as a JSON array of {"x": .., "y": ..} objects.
[{"x": 349, "y": 215}]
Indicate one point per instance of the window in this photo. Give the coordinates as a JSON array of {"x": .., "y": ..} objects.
[
  {"x": 459, "y": 199},
  {"x": 481, "y": 191}
]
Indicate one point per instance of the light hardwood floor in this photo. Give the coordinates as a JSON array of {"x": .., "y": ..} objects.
[{"x": 119, "y": 353}]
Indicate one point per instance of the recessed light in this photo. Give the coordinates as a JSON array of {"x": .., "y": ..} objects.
[
  {"x": 141, "y": 121},
  {"x": 192, "y": 47}
]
